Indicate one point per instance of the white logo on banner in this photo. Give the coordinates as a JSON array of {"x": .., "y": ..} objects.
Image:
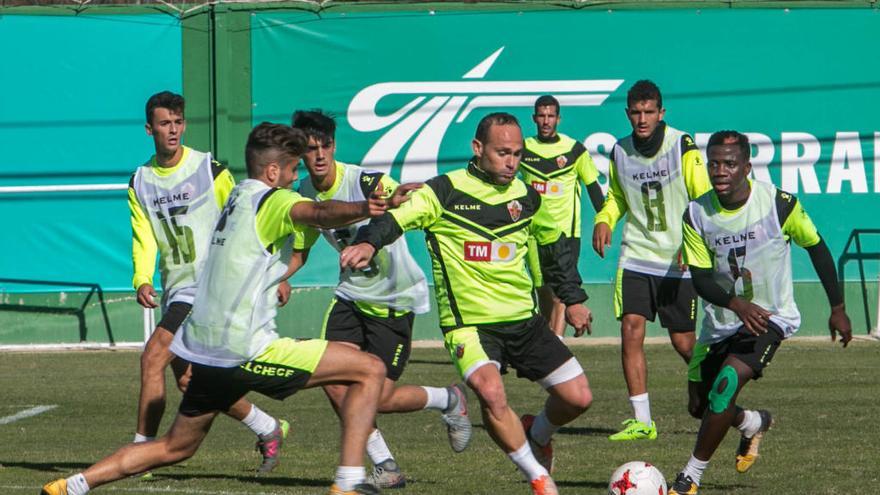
[{"x": 422, "y": 122}]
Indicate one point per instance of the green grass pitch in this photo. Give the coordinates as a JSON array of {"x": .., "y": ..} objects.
[{"x": 824, "y": 399}]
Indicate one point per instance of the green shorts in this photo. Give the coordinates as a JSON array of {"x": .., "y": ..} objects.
[{"x": 282, "y": 369}]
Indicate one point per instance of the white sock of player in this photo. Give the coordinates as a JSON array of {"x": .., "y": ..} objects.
[
  {"x": 377, "y": 449},
  {"x": 349, "y": 476},
  {"x": 751, "y": 423},
  {"x": 259, "y": 422},
  {"x": 542, "y": 429},
  {"x": 138, "y": 438},
  {"x": 76, "y": 485},
  {"x": 526, "y": 462},
  {"x": 438, "y": 398},
  {"x": 695, "y": 468},
  {"x": 641, "y": 407}
]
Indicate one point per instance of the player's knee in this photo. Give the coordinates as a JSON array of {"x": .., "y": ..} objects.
[
  {"x": 372, "y": 368},
  {"x": 582, "y": 400},
  {"x": 723, "y": 390},
  {"x": 492, "y": 395}
]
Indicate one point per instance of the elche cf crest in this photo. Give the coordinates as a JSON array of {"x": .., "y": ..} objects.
[{"x": 515, "y": 210}]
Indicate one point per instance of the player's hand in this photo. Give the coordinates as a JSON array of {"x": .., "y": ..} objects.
[
  {"x": 754, "y": 317},
  {"x": 839, "y": 323},
  {"x": 601, "y": 238},
  {"x": 283, "y": 293},
  {"x": 145, "y": 295},
  {"x": 357, "y": 257},
  {"x": 376, "y": 205},
  {"x": 401, "y": 194},
  {"x": 580, "y": 317}
]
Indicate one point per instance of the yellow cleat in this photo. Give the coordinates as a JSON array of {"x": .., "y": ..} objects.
[
  {"x": 747, "y": 453},
  {"x": 57, "y": 487},
  {"x": 683, "y": 485},
  {"x": 360, "y": 489}
]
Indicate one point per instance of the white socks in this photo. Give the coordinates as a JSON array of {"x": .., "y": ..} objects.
[
  {"x": 751, "y": 423},
  {"x": 542, "y": 429},
  {"x": 641, "y": 407},
  {"x": 138, "y": 438},
  {"x": 377, "y": 449},
  {"x": 259, "y": 422},
  {"x": 526, "y": 462},
  {"x": 438, "y": 398},
  {"x": 695, "y": 468},
  {"x": 76, "y": 485},
  {"x": 349, "y": 476}
]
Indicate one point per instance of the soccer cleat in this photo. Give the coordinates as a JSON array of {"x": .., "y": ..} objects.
[
  {"x": 387, "y": 474},
  {"x": 359, "y": 489},
  {"x": 544, "y": 486},
  {"x": 270, "y": 446},
  {"x": 148, "y": 476},
  {"x": 57, "y": 487},
  {"x": 683, "y": 485},
  {"x": 747, "y": 453},
  {"x": 543, "y": 453},
  {"x": 634, "y": 429},
  {"x": 455, "y": 416}
]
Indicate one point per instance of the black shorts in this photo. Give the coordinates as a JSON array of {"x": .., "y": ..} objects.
[
  {"x": 756, "y": 351},
  {"x": 280, "y": 371},
  {"x": 674, "y": 299},
  {"x": 533, "y": 260},
  {"x": 388, "y": 338},
  {"x": 174, "y": 317},
  {"x": 528, "y": 346}
]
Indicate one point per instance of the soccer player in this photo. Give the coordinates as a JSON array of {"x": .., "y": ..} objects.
[
  {"x": 373, "y": 309},
  {"x": 230, "y": 337},
  {"x": 558, "y": 167},
  {"x": 654, "y": 172},
  {"x": 737, "y": 244},
  {"x": 477, "y": 222},
  {"x": 175, "y": 199}
]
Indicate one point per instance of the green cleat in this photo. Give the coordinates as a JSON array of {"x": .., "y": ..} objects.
[{"x": 634, "y": 429}]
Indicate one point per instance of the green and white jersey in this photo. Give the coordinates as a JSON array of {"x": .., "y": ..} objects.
[
  {"x": 653, "y": 192},
  {"x": 181, "y": 209},
  {"x": 477, "y": 236},
  {"x": 559, "y": 171},
  {"x": 393, "y": 279},
  {"x": 749, "y": 252},
  {"x": 233, "y": 315}
]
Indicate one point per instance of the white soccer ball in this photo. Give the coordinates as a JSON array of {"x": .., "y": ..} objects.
[{"x": 637, "y": 478}]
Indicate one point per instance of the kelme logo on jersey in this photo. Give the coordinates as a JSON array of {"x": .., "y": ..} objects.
[
  {"x": 548, "y": 188},
  {"x": 489, "y": 251},
  {"x": 419, "y": 125}
]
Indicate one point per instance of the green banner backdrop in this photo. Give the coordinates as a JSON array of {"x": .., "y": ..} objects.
[{"x": 409, "y": 87}]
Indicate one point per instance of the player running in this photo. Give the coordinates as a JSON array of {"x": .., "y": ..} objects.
[{"x": 737, "y": 245}]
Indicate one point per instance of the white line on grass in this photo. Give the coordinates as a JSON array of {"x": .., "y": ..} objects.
[
  {"x": 27, "y": 413},
  {"x": 167, "y": 489}
]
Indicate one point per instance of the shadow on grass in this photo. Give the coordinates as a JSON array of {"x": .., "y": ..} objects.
[
  {"x": 46, "y": 466},
  {"x": 444, "y": 362},
  {"x": 275, "y": 480},
  {"x": 586, "y": 431}
]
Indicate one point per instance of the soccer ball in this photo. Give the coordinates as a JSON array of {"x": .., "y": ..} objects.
[{"x": 637, "y": 478}]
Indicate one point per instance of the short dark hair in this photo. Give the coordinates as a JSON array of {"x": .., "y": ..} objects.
[
  {"x": 547, "y": 101},
  {"x": 731, "y": 137},
  {"x": 164, "y": 99},
  {"x": 497, "y": 118},
  {"x": 269, "y": 142},
  {"x": 644, "y": 90},
  {"x": 316, "y": 124}
]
